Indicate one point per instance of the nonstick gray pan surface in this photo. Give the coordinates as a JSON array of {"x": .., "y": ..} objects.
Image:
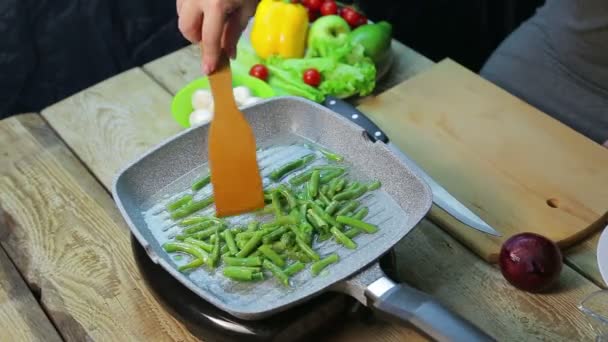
[{"x": 283, "y": 126}]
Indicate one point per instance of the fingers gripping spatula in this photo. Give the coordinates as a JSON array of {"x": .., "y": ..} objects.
[{"x": 235, "y": 175}]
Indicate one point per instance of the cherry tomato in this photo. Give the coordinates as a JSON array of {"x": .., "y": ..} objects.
[
  {"x": 315, "y": 4},
  {"x": 312, "y": 77},
  {"x": 361, "y": 21},
  {"x": 329, "y": 7},
  {"x": 351, "y": 16},
  {"x": 312, "y": 14},
  {"x": 260, "y": 71}
]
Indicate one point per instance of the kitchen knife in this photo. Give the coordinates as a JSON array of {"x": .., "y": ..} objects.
[{"x": 441, "y": 197}]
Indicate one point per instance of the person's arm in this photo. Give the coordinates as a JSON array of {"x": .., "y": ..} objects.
[{"x": 218, "y": 24}]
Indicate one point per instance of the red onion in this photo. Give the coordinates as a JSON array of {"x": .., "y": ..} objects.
[{"x": 530, "y": 262}]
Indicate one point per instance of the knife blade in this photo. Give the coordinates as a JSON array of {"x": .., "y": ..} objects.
[{"x": 441, "y": 197}]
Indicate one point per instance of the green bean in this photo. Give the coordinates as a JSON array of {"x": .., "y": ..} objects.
[
  {"x": 276, "y": 204},
  {"x": 251, "y": 261},
  {"x": 303, "y": 209},
  {"x": 251, "y": 245},
  {"x": 283, "y": 220},
  {"x": 244, "y": 236},
  {"x": 349, "y": 206},
  {"x": 252, "y": 226},
  {"x": 305, "y": 176},
  {"x": 201, "y": 183},
  {"x": 360, "y": 215},
  {"x": 317, "y": 221},
  {"x": 192, "y": 264},
  {"x": 313, "y": 184},
  {"x": 185, "y": 247},
  {"x": 189, "y": 221},
  {"x": 331, "y": 208},
  {"x": 274, "y": 235},
  {"x": 230, "y": 242},
  {"x": 324, "y": 199},
  {"x": 237, "y": 230},
  {"x": 324, "y": 189},
  {"x": 375, "y": 185},
  {"x": 191, "y": 208},
  {"x": 352, "y": 222},
  {"x": 224, "y": 249},
  {"x": 207, "y": 247},
  {"x": 240, "y": 273},
  {"x": 307, "y": 231},
  {"x": 277, "y": 272},
  {"x": 333, "y": 184},
  {"x": 256, "y": 254},
  {"x": 272, "y": 255},
  {"x": 307, "y": 250},
  {"x": 207, "y": 232},
  {"x": 343, "y": 239},
  {"x": 288, "y": 195},
  {"x": 215, "y": 254},
  {"x": 319, "y": 203},
  {"x": 241, "y": 244},
  {"x": 341, "y": 184},
  {"x": 318, "y": 266},
  {"x": 282, "y": 171},
  {"x": 324, "y": 236},
  {"x": 180, "y": 202},
  {"x": 331, "y": 155},
  {"x": 198, "y": 227},
  {"x": 288, "y": 237},
  {"x": 325, "y": 216},
  {"x": 351, "y": 233},
  {"x": 294, "y": 268},
  {"x": 351, "y": 194},
  {"x": 329, "y": 175},
  {"x": 279, "y": 246}
]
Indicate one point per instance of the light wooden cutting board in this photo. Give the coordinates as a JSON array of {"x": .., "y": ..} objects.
[{"x": 516, "y": 167}]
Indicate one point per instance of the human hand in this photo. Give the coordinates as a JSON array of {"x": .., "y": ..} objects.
[{"x": 217, "y": 23}]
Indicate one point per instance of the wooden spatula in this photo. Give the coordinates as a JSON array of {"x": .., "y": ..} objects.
[{"x": 235, "y": 175}]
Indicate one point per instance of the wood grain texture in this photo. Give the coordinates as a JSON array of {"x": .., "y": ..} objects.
[
  {"x": 501, "y": 157},
  {"x": 68, "y": 240},
  {"x": 583, "y": 258},
  {"x": 177, "y": 69},
  {"x": 433, "y": 261},
  {"x": 127, "y": 112},
  {"x": 21, "y": 317}
]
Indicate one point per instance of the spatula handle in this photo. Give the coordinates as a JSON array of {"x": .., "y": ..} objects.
[{"x": 220, "y": 82}]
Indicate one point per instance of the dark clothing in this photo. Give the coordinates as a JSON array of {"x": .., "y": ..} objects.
[
  {"x": 558, "y": 62},
  {"x": 51, "y": 49}
]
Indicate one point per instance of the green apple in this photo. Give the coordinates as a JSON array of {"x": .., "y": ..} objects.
[
  {"x": 375, "y": 39},
  {"x": 325, "y": 34}
]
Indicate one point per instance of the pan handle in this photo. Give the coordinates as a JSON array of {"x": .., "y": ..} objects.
[
  {"x": 354, "y": 115},
  {"x": 400, "y": 303}
]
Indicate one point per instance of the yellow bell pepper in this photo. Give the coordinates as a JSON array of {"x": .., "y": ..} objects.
[{"x": 279, "y": 28}]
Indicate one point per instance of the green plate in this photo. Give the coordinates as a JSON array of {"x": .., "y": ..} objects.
[{"x": 181, "y": 107}]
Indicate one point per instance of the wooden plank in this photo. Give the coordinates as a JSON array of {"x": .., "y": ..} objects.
[
  {"x": 68, "y": 240},
  {"x": 510, "y": 163},
  {"x": 179, "y": 68},
  {"x": 463, "y": 281},
  {"x": 583, "y": 258},
  {"x": 433, "y": 261},
  {"x": 21, "y": 317},
  {"x": 127, "y": 112}
]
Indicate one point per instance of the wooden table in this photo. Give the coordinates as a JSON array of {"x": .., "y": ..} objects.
[{"x": 66, "y": 264}]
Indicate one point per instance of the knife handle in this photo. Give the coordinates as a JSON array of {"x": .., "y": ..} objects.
[{"x": 354, "y": 115}]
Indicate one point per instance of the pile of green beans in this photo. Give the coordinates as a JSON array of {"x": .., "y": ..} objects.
[{"x": 315, "y": 205}]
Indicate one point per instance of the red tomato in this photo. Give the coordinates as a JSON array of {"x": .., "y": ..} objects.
[
  {"x": 351, "y": 16},
  {"x": 260, "y": 71},
  {"x": 362, "y": 20},
  {"x": 312, "y": 77},
  {"x": 312, "y": 14},
  {"x": 305, "y": 3},
  {"x": 329, "y": 7},
  {"x": 314, "y": 5}
]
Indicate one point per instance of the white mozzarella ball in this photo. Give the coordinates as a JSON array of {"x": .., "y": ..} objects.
[
  {"x": 241, "y": 94},
  {"x": 200, "y": 117},
  {"x": 202, "y": 99},
  {"x": 252, "y": 100}
]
